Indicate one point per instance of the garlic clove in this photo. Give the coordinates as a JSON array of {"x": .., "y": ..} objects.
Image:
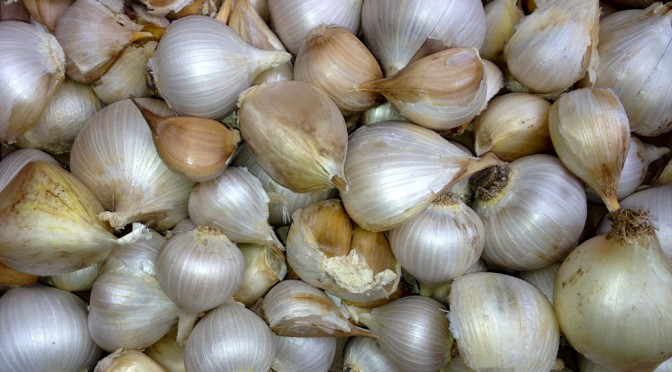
[
  {"x": 264, "y": 267},
  {"x": 12, "y": 164},
  {"x": 303, "y": 354},
  {"x": 47, "y": 12},
  {"x": 126, "y": 77},
  {"x": 494, "y": 80},
  {"x": 301, "y": 146},
  {"x": 198, "y": 149},
  {"x": 363, "y": 354},
  {"x": 196, "y": 7},
  {"x": 501, "y": 17},
  {"x": 128, "y": 360},
  {"x": 11, "y": 278},
  {"x": 382, "y": 112},
  {"x": 76, "y": 281},
  {"x": 168, "y": 353},
  {"x": 163, "y": 7}
]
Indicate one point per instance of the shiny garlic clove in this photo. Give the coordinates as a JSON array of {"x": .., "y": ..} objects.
[
  {"x": 167, "y": 352},
  {"x": 303, "y": 354},
  {"x": 76, "y": 281},
  {"x": 128, "y": 360},
  {"x": 560, "y": 36},
  {"x": 126, "y": 78},
  {"x": 296, "y": 133},
  {"x": 198, "y": 149},
  {"x": 396, "y": 169},
  {"x": 328, "y": 251},
  {"x": 12, "y": 164},
  {"x": 13, "y": 278},
  {"x": 383, "y": 112},
  {"x": 543, "y": 279},
  {"x": 33, "y": 66},
  {"x": 591, "y": 134},
  {"x": 264, "y": 267},
  {"x": 47, "y": 12},
  {"x": 501, "y": 17},
  {"x": 442, "y": 91},
  {"x": 335, "y": 60},
  {"x": 363, "y": 354}
]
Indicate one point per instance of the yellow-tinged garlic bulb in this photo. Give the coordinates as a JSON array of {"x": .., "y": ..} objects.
[
  {"x": 501, "y": 18},
  {"x": 590, "y": 133},
  {"x": 128, "y": 360},
  {"x": 126, "y": 78},
  {"x": 555, "y": 46},
  {"x": 296, "y": 133},
  {"x": 264, "y": 267},
  {"x": 47, "y": 12}
]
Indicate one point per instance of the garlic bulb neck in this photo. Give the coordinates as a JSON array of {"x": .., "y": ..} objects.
[
  {"x": 490, "y": 182},
  {"x": 629, "y": 224}
]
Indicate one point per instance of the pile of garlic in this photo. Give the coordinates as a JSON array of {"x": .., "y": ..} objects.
[{"x": 335, "y": 185}]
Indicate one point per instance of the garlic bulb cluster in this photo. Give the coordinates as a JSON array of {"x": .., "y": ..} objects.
[
  {"x": 126, "y": 78},
  {"x": 32, "y": 69},
  {"x": 303, "y": 354},
  {"x": 16, "y": 160},
  {"x": 264, "y": 267},
  {"x": 363, "y": 354},
  {"x": 128, "y": 360},
  {"x": 502, "y": 323}
]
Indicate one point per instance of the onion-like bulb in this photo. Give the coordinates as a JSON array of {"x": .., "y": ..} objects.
[
  {"x": 303, "y": 354},
  {"x": 613, "y": 291}
]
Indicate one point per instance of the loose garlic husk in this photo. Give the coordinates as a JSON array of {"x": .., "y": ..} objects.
[
  {"x": 33, "y": 66},
  {"x": 128, "y": 360},
  {"x": 413, "y": 332},
  {"x": 636, "y": 62},
  {"x": 167, "y": 352},
  {"x": 76, "y": 281},
  {"x": 501, "y": 18},
  {"x": 612, "y": 296},
  {"x": 301, "y": 146},
  {"x": 197, "y": 149},
  {"x": 363, "y": 354},
  {"x": 543, "y": 279},
  {"x": 533, "y": 211},
  {"x": 502, "y": 323},
  {"x": 230, "y": 338},
  {"x": 16, "y": 160},
  {"x": 201, "y": 65},
  {"x": 50, "y": 223},
  {"x": 591, "y": 134},
  {"x": 395, "y": 169},
  {"x": 442, "y": 91},
  {"x": 555, "y": 46},
  {"x": 114, "y": 155},
  {"x": 334, "y": 59},
  {"x": 293, "y": 19},
  {"x": 325, "y": 250},
  {"x": 440, "y": 243},
  {"x": 237, "y": 204},
  {"x": 303, "y": 354},
  {"x": 126, "y": 77},
  {"x": 199, "y": 270},
  {"x": 264, "y": 267},
  {"x": 297, "y": 309},
  {"x": 514, "y": 125},
  {"x": 63, "y": 116}
]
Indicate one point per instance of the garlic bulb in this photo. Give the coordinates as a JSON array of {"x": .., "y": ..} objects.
[
  {"x": 363, "y": 354},
  {"x": 334, "y": 59},
  {"x": 325, "y": 250},
  {"x": 114, "y": 155},
  {"x": 33, "y": 65},
  {"x": 201, "y": 66},
  {"x": 16, "y": 160},
  {"x": 590, "y": 132},
  {"x": 543, "y": 279},
  {"x": 502, "y": 323},
  {"x": 128, "y": 309},
  {"x": 555, "y": 46},
  {"x": 613, "y": 291},
  {"x": 297, "y": 309},
  {"x": 167, "y": 352},
  {"x": 442, "y": 91},
  {"x": 283, "y": 201},
  {"x": 501, "y": 18},
  {"x": 237, "y": 204},
  {"x": 264, "y": 267},
  {"x": 395, "y": 169},
  {"x": 50, "y": 225},
  {"x": 303, "y": 354},
  {"x": 126, "y": 77},
  {"x": 301, "y": 146},
  {"x": 13, "y": 278},
  {"x": 47, "y": 12},
  {"x": 128, "y": 360},
  {"x": 533, "y": 211},
  {"x": 636, "y": 62},
  {"x": 76, "y": 281},
  {"x": 63, "y": 116},
  {"x": 413, "y": 332},
  {"x": 396, "y": 30},
  {"x": 383, "y": 112},
  {"x": 293, "y": 19},
  {"x": 440, "y": 243},
  {"x": 230, "y": 338},
  {"x": 44, "y": 329},
  {"x": 514, "y": 125},
  {"x": 199, "y": 270}
]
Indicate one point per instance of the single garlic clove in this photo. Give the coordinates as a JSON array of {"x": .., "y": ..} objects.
[
  {"x": 76, "y": 281},
  {"x": 12, "y": 278},
  {"x": 126, "y": 77},
  {"x": 264, "y": 267},
  {"x": 303, "y": 354},
  {"x": 383, "y": 112},
  {"x": 128, "y": 360},
  {"x": 543, "y": 279},
  {"x": 363, "y": 354},
  {"x": 501, "y": 17},
  {"x": 12, "y": 164},
  {"x": 301, "y": 146},
  {"x": 47, "y": 12},
  {"x": 167, "y": 352},
  {"x": 163, "y": 7}
]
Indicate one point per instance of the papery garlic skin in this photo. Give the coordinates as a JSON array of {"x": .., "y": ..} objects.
[
  {"x": 502, "y": 323},
  {"x": 303, "y": 354},
  {"x": 33, "y": 65},
  {"x": 501, "y": 17},
  {"x": 16, "y": 160},
  {"x": 363, "y": 354},
  {"x": 128, "y": 360},
  {"x": 126, "y": 77}
]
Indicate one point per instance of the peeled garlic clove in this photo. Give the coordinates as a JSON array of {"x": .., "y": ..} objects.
[
  {"x": 198, "y": 149},
  {"x": 128, "y": 360},
  {"x": 237, "y": 204},
  {"x": 114, "y": 155},
  {"x": 301, "y": 146},
  {"x": 441, "y": 91},
  {"x": 514, "y": 125},
  {"x": 33, "y": 66},
  {"x": 543, "y": 279},
  {"x": 413, "y": 332},
  {"x": 440, "y": 243},
  {"x": 293, "y": 19},
  {"x": 636, "y": 62},
  {"x": 501, "y": 17},
  {"x": 230, "y": 338},
  {"x": 363, "y": 354},
  {"x": 12, "y": 164},
  {"x": 64, "y": 115},
  {"x": 297, "y": 309},
  {"x": 168, "y": 353},
  {"x": 303, "y": 354},
  {"x": 560, "y": 37},
  {"x": 126, "y": 77},
  {"x": 396, "y": 169},
  {"x": 50, "y": 223},
  {"x": 590, "y": 132},
  {"x": 201, "y": 65},
  {"x": 264, "y": 267},
  {"x": 334, "y": 59},
  {"x": 76, "y": 281},
  {"x": 502, "y": 322}
]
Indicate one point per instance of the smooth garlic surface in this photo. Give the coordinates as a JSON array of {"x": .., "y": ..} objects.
[{"x": 303, "y": 354}]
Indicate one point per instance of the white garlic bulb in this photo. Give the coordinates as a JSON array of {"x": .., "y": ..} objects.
[
  {"x": 303, "y": 354},
  {"x": 126, "y": 77},
  {"x": 363, "y": 354},
  {"x": 16, "y": 160},
  {"x": 502, "y": 323}
]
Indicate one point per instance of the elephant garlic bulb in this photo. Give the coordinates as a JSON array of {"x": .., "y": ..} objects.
[{"x": 502, "y": 323}]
